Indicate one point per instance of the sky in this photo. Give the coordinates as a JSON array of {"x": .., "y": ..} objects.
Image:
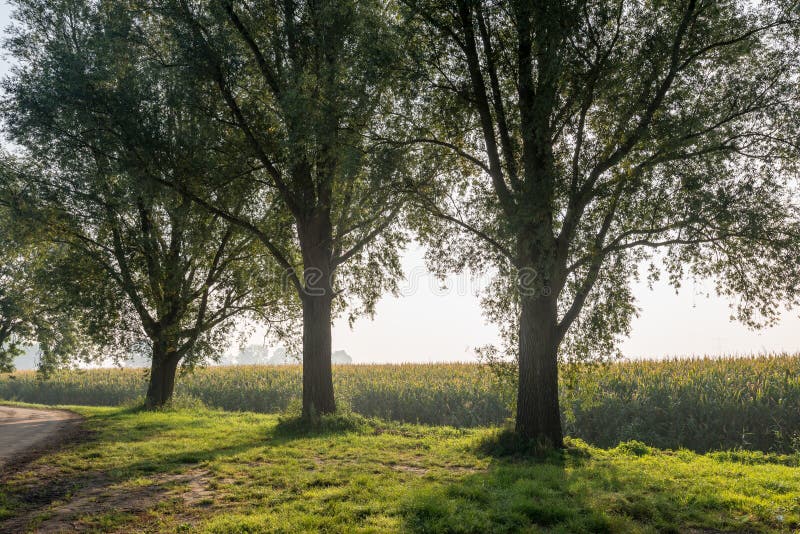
[{"x": 427, "y": 323}]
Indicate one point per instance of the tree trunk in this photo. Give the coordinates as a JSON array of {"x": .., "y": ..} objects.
[
  {"x": 317, "y": 376},
  {"x": 162, "y": 376},
  {"x": 538, "y": 414},
  {"x": 315, "y": 241}
]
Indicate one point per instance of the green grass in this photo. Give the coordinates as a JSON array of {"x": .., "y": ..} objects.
[
  {"x": 213, "y": 471},
  {"x": 700, "y": 404},
  {"x": 464, "y": 395}
]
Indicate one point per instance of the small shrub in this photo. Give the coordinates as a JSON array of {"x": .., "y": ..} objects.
[{"x": 634, "y": 448}]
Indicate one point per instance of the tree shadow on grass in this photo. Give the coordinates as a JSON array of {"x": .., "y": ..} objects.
[
  {"x": 511, "y": 496},
  {"x": 577, "y": 489},
  {"x": 36, "y": 488},
  {"x": 291, "y": 427},
  {"x": 43, "y": 484},
  {"x": 525, "y": 487}
]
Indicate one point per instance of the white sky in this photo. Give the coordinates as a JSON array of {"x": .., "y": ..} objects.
[{"x": 428, "y": 324}]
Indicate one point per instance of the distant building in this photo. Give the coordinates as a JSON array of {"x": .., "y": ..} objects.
[
  {"x": 253, "y": 355},
  {"x": 250, "y": 355},
  {"x": 281, "y": 357},
  {"x": 341, "y": 357}
]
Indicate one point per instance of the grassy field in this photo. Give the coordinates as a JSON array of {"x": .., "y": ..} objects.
[
  {"x": 223, "y": 472},
  {"x": 700, "y": 404},
  {"x": 444, "y": 394}
]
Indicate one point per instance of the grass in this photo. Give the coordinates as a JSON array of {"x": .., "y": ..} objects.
[
  {"x": 211, "y": 471},
  {"x": 701, "y": 404},
  {"x": 461, "y": 395}
]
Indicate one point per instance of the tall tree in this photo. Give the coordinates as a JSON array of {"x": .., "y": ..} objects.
[
  {"x": 590, "y": 133},
  {"x": 15, "y": 313},
  {"x": 303, "y": 84},
  {"x": 98, "y": 124},
  {"x": 30, "y": 310}
]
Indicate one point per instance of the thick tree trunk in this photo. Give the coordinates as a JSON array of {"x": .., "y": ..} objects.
[
  {"x": 162, "y": 376},
  {"x": 317, "y": 297},
  {"x": 317, "y": 376},
  {"x": 538, "y": 414}
]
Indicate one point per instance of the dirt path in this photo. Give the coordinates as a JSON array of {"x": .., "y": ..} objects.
[{"x": 24, "y": 430}]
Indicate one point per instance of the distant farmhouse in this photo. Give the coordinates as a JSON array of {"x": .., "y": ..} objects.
[
  {"x": 340, "y": 357},
  {"x": 250, "y": 355},
  {"x": 281, "y": 357}
]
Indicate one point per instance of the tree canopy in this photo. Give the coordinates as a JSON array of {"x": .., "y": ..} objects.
[
  {"x": 596, "y": 132},
  {"x": 16, "y": 326},
  {"x": 146, "y": 268},
  {"x": 301, "y": 88}
]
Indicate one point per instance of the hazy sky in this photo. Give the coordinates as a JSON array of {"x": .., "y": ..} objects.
[{"x": 427, "y": 323}]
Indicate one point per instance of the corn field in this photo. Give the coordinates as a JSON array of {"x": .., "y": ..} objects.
[
  {"x": 701, "y": 404},
  {"x": 462, "y": 395}
]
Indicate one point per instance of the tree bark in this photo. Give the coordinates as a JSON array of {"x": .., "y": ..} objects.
[
  {"x": 315, "y": 241},
  {"x": 317, "y": 375},
  {"x": 162, "y": 376},
  {"x": 538, "y": 413}
]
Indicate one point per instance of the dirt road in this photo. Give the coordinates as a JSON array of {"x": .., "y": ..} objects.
[{"x": 23, "y": 430}]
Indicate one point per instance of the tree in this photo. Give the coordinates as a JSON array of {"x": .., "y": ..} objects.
[
  {"x": 141, "y": 265},
  {"x": 15, "y": 324},
  {"x": 303, "y": 85},
  {"x": 588, "y": 135},
  {"x": 31, "y": 323}
]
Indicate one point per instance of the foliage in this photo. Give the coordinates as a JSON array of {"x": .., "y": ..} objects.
[
  {"x": 30, "y": 314},
  {"x": 299, "y": 89},
  {"x": 701, "y": 404},
  {"x": 385, "y": 477},
  {"x": 140, "y": 268},
  {"x": 666, "y": 127},
  {"x": 592, "y": 133},
  {"x": 15, "y": 324}
]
